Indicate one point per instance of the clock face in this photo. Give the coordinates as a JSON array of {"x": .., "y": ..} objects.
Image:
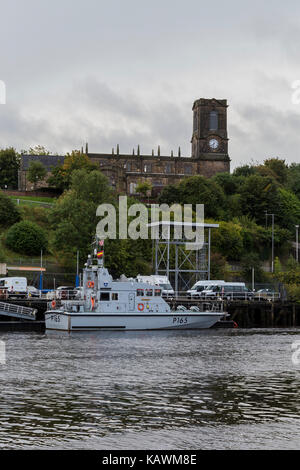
[{"x": 213, "y": 143}]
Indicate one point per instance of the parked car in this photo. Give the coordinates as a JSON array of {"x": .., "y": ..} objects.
[
  {"x": 33, "y": 291},
  {"x": 266, "y": 294},
  {"x": 66, "y": 293},
  {"x": 229, "y": 291},
  {"x": 200, "y": 286}
]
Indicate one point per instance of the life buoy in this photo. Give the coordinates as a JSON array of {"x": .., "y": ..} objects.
[
  {"x": 53, "y": 304},
  {"x": 90, "y": 284},
  {"x": 93, "y": 302},
  {"x": 235, "y": 325},
  {"x": 141, "y": 307}
]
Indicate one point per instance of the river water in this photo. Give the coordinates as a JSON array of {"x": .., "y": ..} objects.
[{"x": 214, "y": 389}]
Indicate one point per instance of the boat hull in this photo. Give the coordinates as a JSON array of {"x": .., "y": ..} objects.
[{"x": 57, "y": 320}]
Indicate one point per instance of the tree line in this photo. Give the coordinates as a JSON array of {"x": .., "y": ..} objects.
[{"x": 238, "y": 202}]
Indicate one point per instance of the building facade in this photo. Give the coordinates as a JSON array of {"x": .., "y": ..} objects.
[
  {"x": 209, "y": 155},
  {"x": 49, "y": 161}
]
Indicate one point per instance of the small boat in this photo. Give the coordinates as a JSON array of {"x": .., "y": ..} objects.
[{"x": 124, "y": 304}]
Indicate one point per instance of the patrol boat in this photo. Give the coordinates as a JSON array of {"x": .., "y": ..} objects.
[{"x": 124, "y": 304}]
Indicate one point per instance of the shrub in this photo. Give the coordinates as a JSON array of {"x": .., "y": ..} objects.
[
  {"x": 9, "y": 212},
  {"x": 26, "y": 238},
  {"x": 228, "y": 241}
]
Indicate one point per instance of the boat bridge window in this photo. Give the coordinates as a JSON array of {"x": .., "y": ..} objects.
[
  {"x": 157, "y": 292},
  {"x": 140, "y": 292},
  {"x": 114, "y": 296},
  {"x": 104, "y": 296},
  {"x": 149, "y": 292}
]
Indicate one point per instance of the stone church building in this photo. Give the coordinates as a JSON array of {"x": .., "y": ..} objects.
[{"x": 125, "y": 171}]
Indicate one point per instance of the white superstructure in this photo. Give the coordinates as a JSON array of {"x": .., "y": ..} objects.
[{"x": 160, "y": 281}]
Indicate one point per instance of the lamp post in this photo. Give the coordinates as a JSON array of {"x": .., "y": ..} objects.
[
  {"x": 297, "y": 243},
  {"x": 272, "y": 215}
]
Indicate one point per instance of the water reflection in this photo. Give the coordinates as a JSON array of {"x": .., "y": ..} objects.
[{"x": 61, "y": 390}]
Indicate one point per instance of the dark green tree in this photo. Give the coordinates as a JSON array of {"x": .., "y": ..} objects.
[
  {"x": 38, "y": 150},
  {"x": 9, "y": 165},
  {"x": 9, "y": 212},
  {"x": 293, "y": 179},
  {"x": 288, "y": 209},
  {"x": 36, "y": 172},
  {"x": 26, "y": 238},
  {"x": 61, "y": 176},
  {"x": 250, "y": 261},
  {"x": 170, "y": 194},
  {"x": 200, "y": 190},
  {"x": 279, "y": 169},
  {"x": 258, "y": 195},
  {"x": 245, "y": 171},
  {"x": 74, "y": 214},
  {"x": 230, "y": 183}
]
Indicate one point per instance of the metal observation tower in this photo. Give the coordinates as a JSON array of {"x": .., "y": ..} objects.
[{"x": 173, "y": 259}]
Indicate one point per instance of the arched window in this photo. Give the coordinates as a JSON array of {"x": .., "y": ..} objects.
[{"x": 213, "y": 121}]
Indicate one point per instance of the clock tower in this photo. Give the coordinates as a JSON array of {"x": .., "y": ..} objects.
[{"x": 210, "y": 140}]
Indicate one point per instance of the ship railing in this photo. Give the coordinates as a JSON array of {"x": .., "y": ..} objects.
[
  {"x": 17, "y": 311},
  {"x": 67, "y": 305},
  {"x": 231, "y": 296},
  {"x": 213, "y": 306},
  {"x": 73, "y": 305}
]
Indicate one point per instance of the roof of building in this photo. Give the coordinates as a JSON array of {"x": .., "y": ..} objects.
[
  {"x": 47, "y": 160},
  {"x": 136, "y": 156}
]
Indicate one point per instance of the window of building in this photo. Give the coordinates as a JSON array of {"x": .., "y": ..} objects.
[
  {"x": 195, "y": 121},
  {"x": 213, "y": 121},
  {"x": 132, "y": 188},
  {"x": 104, "y": 296},
  {"x": 188, "y": 169},
  {"x": 168, "y": 168},
  {"x": 147, "y": 168},
  {"x": 114, "y": 296}
]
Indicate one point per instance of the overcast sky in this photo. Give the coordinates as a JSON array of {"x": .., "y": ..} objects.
[{"x": 128, "y": 71}]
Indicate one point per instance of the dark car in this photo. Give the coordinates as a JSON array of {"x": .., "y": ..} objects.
[
  {"x": 230, "y": 292},
  {"x": 267, "y": 294},
  {"x": 237, "y": 293}
]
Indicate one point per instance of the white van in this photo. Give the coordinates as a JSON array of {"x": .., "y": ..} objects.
[
  {"x": 227, "y": 290},
  {"x": 15, "y": 286},
  {"x": 195, "y": 291},
  {"x": 161, "y": 281}
]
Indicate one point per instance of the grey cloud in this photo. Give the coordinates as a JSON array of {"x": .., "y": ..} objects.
[
  {"x": 128, "y": 72},
  {"x": 95, "y": 112}
]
